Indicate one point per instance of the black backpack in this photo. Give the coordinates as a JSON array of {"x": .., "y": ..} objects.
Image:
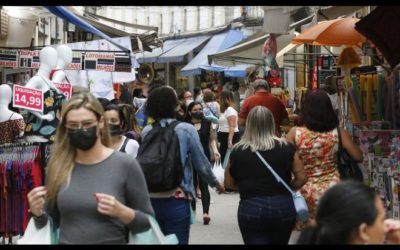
[{"x": 159, "y": 157}]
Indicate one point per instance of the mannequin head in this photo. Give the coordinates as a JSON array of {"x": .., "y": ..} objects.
[
  {"x": 64, "y": 56},
  {"x": 5, "y": 94},
  {"x": 48, "y": 58}
]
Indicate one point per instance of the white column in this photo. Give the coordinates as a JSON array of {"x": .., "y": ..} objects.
[
  {"x": 37, "y": 33},
  {"x": 212, "y": 16},
  {"x": 48, "y": 31},
  {"x": 197, "y": 27},
  {"x": 172, "y": 22}
]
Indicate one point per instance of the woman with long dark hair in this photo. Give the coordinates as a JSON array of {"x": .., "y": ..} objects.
[
  {"x": 351, "y": 213},
  {"x": 317, "y": 144},
  {"x": 228, "y": 130},
  {"x": 207, "y": 139}
]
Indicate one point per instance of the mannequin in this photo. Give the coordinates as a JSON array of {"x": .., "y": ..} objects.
[
  {"x": 41, "y": 126},
  {"x": 12, "y": 124},
  {"x": 64, "y": 57}
]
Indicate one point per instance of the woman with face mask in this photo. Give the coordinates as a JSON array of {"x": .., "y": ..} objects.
[
  {"x": 116, "y": 119},
  {"x": 207, "y": 139},
  {"x": 93, "y": 193}
]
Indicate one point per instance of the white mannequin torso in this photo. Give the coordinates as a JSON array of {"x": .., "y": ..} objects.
[{"x": 64, "y": 57}]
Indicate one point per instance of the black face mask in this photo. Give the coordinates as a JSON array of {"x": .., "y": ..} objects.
[
  {"x": 115, "y": 129},
  {"x": 180, "y": 117},
  {"x": 81, "y": 139},
  {"x": 197, "y": 115}
]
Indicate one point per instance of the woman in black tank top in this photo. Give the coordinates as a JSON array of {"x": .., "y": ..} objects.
[{"x": 207, "y": 138}]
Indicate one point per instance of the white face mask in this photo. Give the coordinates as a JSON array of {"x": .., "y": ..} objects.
[
  {"x": 199, "y": 98},
  {"x": 189, "y": 101}
]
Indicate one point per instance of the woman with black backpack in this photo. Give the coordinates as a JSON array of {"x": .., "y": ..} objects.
[{"x": 172, "y": 193}]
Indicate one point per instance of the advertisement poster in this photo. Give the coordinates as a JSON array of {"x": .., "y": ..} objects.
[
  {"x": 8, "y": 58},
  {"x": 29, "y": 59},
  {"x": 76, "y": 63},
  {"x": 27, "y": 98},
  {"x": 100, "y": 61}
]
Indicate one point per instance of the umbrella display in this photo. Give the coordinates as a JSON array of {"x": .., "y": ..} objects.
[
  {"x": 335, "y": 32},
  {"x": 381, "y": 27}
]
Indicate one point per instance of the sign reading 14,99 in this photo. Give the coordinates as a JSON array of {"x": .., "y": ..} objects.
[{"x": 27, "y": 98}]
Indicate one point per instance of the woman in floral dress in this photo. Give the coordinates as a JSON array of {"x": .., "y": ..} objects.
[{"x": 317, "y": 145}]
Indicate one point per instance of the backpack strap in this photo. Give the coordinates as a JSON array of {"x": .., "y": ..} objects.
[{"x": 124, "y": 145}]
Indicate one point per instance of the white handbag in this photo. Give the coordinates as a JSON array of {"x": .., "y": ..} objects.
[
  {"x": 35, "y": 236},
  {"x": 218, "y": 171}
]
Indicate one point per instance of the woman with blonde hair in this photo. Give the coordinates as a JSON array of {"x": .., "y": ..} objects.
[
  {"x": 92, "y": 192},
  {"x": 228, "y": 130},
  {"x": 266, "y": 213}
]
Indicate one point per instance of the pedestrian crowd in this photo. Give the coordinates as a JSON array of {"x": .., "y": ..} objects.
[{"x": 117, "y": 164}]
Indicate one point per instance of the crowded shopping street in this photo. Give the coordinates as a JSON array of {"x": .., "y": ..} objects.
[{"x": 199, "y": 125}]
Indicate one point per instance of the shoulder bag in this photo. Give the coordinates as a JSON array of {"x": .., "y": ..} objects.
[
  {"x": 298, "y": 200},
  {"x": 348, "y": 168}
]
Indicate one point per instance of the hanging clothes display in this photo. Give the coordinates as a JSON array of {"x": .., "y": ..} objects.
[{"x": 21, "y": 169}]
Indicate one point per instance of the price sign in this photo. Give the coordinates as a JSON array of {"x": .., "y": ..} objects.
[
  {"x": 29, "y": 59},
  {"x": 65, "y": 88},
  {"x": 8, "y": 58},
  {"x": 100, "y": 61},
  {"x": 76, "y": 63},
  {"x": 27, "y": 98}
]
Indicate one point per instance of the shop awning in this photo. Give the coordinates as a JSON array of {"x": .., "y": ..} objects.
[
  {"x": 248, "y": 52},
  {"x": 217, "y": 43},
  {"x": 237, "y": 70},
  {"x": 67, "y": 15},
  {"x": 177, "y": 54},
  {"x": 151, "y": 57}
]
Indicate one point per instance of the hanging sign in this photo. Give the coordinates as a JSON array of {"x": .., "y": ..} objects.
[
  {"x": 76, "y": 63},
  {"x": 29, "y": 59},
  {"x": 8, "y": 58},
  {"x": 27, "y": 98},
  {"x": 100, "y": 61},
  {"x": 65, "y": 88}
]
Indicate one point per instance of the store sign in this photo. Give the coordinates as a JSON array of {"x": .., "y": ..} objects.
[
  {"x": 29, "y": 59},
  {"x": 8, "y": 58},
  {"x": 76, "y": 63},
  {"x": 65, "y": 88},
  {"x": 100, "y": 61},
  {"x": 27, "y": 98}
]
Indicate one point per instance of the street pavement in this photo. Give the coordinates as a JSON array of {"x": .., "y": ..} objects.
[{"x": 223, "y": 227}]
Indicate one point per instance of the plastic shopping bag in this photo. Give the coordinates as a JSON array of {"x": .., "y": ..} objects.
[
  {"x": 226, "y": 159},
  {"x": 153, "y": 236},
  {"x": 218, "y": 171},
  {"x": 47, "y": 235}
]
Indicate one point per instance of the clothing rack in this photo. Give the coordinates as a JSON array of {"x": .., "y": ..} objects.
[{"x": 22, "y": 167}]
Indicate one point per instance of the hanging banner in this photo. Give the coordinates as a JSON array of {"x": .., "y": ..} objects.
[
  {"x": 27, "y": 98},
  {"x": 76, "y": 63},
  {"x": 29, "y": 59},
  {"x": 8, "y": 58},
  {"x": 65, "y": 88},
  {"x": 100, "y": 61}
]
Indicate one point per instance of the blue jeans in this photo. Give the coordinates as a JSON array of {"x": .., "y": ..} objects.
[
  {"x": 173, "y": 216},
  {"x": 266, "y": 220}
]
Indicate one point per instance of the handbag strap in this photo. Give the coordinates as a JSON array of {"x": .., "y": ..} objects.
[{"x": 278, "y": 178}]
